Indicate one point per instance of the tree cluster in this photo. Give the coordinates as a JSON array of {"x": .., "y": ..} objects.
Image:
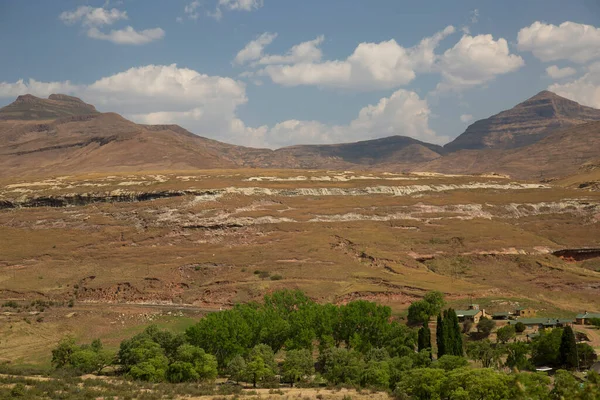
[
  {"x": 84, "y": 359},
  {"x": 448, "y": 334}
]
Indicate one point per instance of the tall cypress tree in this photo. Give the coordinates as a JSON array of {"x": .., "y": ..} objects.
[
  {"x": 568, "y": 348},
  {"x": 424, "y": 338},
  {"x": 440, "y": 337},
  {"x": 457, "y": 343}
]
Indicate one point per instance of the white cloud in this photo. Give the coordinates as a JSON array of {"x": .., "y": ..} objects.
[
  {"x": 128, "y": 35},
  {"x": 90, "y": 16},
  {"x": 474, "y": 16},
  {"x": 207, "y": 105},
  {"x": 585, "y": 90},
  {"x": 371, "y": 66},
  {"x": 304, "y": 52},
  {"x": 236, "y": 5},
  {"x": 190, "y": 9},
  {"x": 466, "y": 118},
  {"x": 403, "y": 113},
  {"x": 579, "y": 43},
  {"x": 557, "y": 73},
  {"x": 93, "y": 18},
  {"x": 254, "y": 49},
  {"x": 476, "y": 60}
]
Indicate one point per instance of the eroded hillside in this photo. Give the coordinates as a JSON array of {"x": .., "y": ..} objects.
[{"x": 204, "y": 240}]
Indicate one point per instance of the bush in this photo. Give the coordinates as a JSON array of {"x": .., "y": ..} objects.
[
  {"x": 18, "y": 390},
  {"x": 11, "y": 304},
  {"x": 520, "y": 327},
  {"x": 485, "y": 326},
  {"x": 276, "y": 277}
]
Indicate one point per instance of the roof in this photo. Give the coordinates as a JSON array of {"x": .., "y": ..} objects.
[
  {"x": 541, "y": 321},
  {"x": 543, "y": 369},
  {"x": 501, "y": 314},
  {"x": 588, "y": 315},
  {"x": 467, "y": 313}
]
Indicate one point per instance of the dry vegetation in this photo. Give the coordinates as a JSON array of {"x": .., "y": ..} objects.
[{"x": 119, "y": 262}]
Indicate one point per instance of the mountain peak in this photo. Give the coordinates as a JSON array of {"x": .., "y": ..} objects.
[
  {"x": 524, "y": 124},
  {"x": 30, "y": 107}
]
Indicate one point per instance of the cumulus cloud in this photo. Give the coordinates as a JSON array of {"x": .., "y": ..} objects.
[
  {"x": 476, "y": 60},
  {"x": 304, "y": 52},
  {"x": 93, "y": 18},
  {"x": 585, "y": 90},
  {"x": 128, "y": 35},
  {"x": 403, "y": 113},
  {"x": 371, "y": 66},
  {"x": 466, "y": 118},
  {"x": 90, "y": 16},
  {"x": 571, "y": 41},
  {"x": 236, "y": 5},
  {"x": 557, "y": 73},
  {"x": 254, "y": 49}
]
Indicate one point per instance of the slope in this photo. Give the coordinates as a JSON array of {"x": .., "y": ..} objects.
[{"x": 524, "y": 124}]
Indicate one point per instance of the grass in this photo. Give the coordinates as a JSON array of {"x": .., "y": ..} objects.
[{"x": 130, "y": 264}]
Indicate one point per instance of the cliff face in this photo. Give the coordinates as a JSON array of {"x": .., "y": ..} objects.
[{"x": 526, "y": 123}]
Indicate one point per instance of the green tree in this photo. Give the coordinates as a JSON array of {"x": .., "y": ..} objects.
[
  {"x": 223, "y": 334},
  {"x": 152, "y": 370},
  {"x": 520, "y": 327},
  {"x": 587, "y": 355},
  {"x": 565, "y": 386},
  {"x": 545, "y": 348},
  {"x": 424, "y": 337},
  {"x": 376, "y": 374},
  {"x": 181, "y": 371},
  {"x": 205, "y": 365},
  {"x": 341, "y": 365},
  {"x": 257, "y": 370},
  {"x": 485, "y": 326},
  {"x": 505, "y": 333},
  {"x": 517, "y": 353},
  {"x": 568, "y": 349},
  {"x": 237, "y": 368},
  {"x": 266, "y": 353},
  {"x": 440, "y": 336},
  {"x": 420, "y": 311},
  {"x": 484, "y": 352},
  {"x": 448, "y": 362},
  {"x": 61, "y": 355},
  {"x": 297, "y": 365},
  {"x": 455, "y": 334},
  {"x": 529, "y": 386},
  {"x": 480, "y": 383},
  {"x": 421, "y": 383},
  {"x": 87, "y": 360}
]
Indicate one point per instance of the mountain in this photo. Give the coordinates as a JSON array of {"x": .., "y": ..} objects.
[
  {"x": 561, "y": 153},
  {"x": 545, "y": 136},
  {"x": 74, "y": 137},
  {"x": 28, "y": 107},
  {"x": 524, "y": 124},
  {"x": 63, "y": 134},
  {"x": 393, "y": 149}
]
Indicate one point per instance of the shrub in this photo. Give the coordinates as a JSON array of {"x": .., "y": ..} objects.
[
  {"x": 276, "y": 277},
  {"x": 11, "y": 304},
  {"x": 520, "y": 327}
]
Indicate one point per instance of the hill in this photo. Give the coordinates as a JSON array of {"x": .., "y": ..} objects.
[
  {"x": 561, "y": 153},
  {"x": 524, "y": 124}
]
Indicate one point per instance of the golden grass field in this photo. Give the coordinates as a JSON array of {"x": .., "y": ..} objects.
[{"x": 231, "y": 236}]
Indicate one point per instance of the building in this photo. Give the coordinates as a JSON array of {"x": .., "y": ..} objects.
[
  {"x": 525, "y": 312},
  {"x": 473, "y": 314},
  {"x": 542, "y": 322},
  {"x": 584, "y": 319},
  {"x": 501, "y": 315}
]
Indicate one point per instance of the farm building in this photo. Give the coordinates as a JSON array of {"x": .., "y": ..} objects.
[
  {"x": 473, "y": 314},
  {"x": 525, "y": 312},
  {"x": 583, "y": 319}
]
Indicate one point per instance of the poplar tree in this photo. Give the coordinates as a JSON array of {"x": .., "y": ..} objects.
[{"x": 424, "y": 337}]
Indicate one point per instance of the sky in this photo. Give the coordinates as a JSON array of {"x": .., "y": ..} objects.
[{"x": 273, "y": 73}]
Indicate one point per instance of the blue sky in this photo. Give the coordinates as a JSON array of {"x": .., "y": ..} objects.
[{"x": 280, "y": 72}]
